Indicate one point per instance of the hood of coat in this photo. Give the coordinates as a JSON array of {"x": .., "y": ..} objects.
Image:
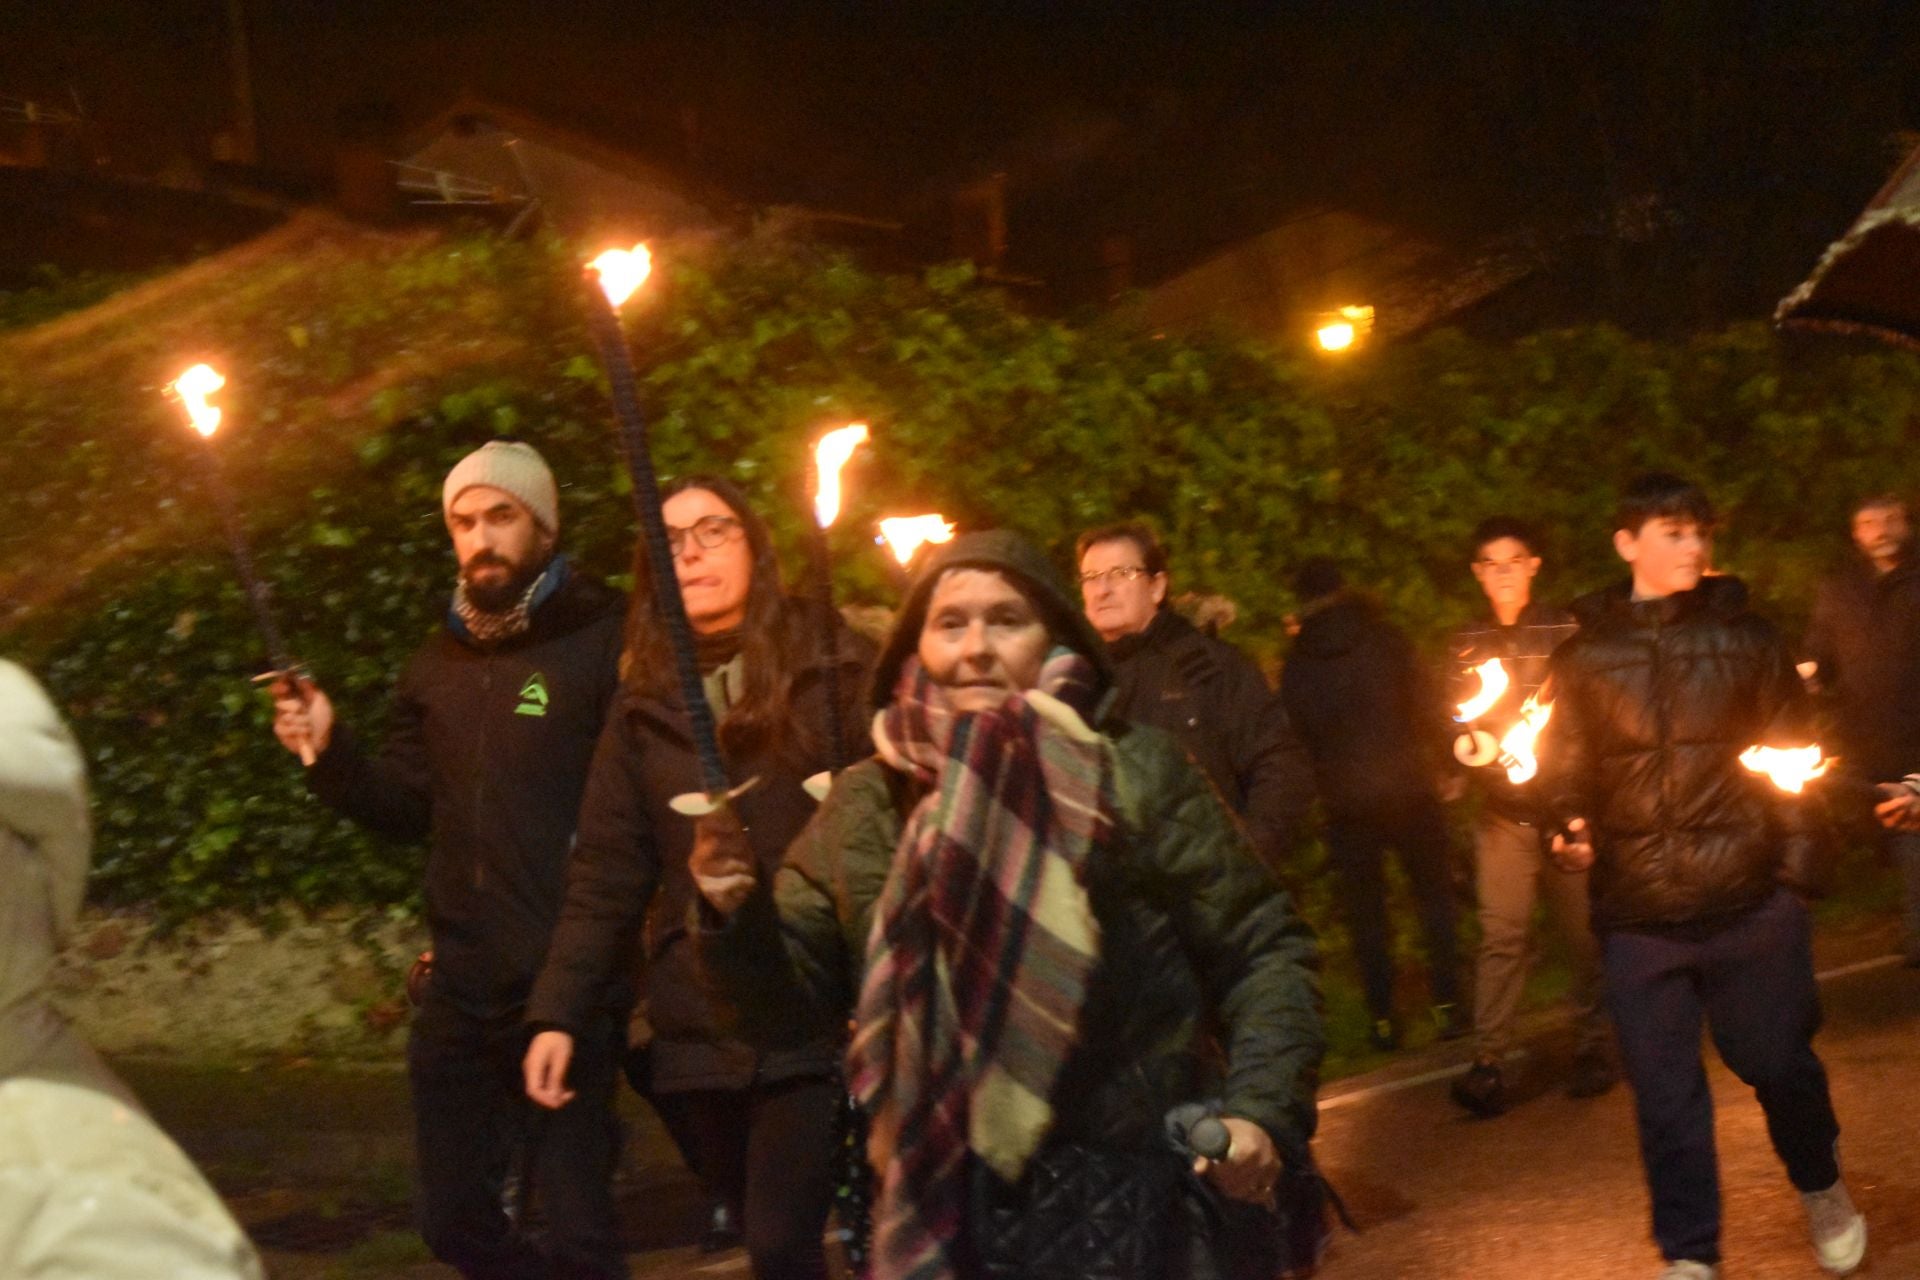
[
  {"x": 1337, "y": 627},
  {"x": 1719, "y": 596},
  {"x": 44, "y": 843},
  {"x": 1006, "y": 552}
]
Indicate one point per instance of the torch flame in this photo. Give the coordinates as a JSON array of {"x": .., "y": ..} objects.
[
  {"x": 622, "y": 271},
  {"x": 829, "y": 456},
  {"x": 907, "y": 534},
  {"x": 1493, "y": 687},
  {"x": 194, "y": 387},
  {"x": 1517, "y": 747},
  {"x": 1788, "y": 768}
]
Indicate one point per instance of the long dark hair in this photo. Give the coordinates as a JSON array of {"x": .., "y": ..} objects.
[{"x": 771, "y": 637}]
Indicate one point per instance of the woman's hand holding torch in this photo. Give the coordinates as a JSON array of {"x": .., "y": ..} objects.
[{"x": 722, "y": 862}]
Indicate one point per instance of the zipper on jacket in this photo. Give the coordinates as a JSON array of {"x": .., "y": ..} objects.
[{"x": 480, "y": 761}]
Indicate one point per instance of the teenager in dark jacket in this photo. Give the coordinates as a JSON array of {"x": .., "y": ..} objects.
[
  {"x": 494, "y": 723},
  {"x": 1864, "y": 642},
  {"x": 1033, "y": 914},
  {"x": 1670, "y": 679},
  {"x": 1170, "y": 674},
  {"x": 764, "y": 1124},
  {"x": 1511, "y": 868},
  {"x": 1364, "y": 704}
]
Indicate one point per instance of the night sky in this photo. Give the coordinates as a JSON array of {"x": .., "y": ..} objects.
[{"x": 1753, "y": 132}]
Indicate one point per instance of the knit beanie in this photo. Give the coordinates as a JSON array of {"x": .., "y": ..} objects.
[
  {"x": 1008, "y": 553},
  {"x": 515, "y": 469}
]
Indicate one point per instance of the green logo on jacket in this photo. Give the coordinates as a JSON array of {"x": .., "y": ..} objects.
[{"x": 533, "y": 697}]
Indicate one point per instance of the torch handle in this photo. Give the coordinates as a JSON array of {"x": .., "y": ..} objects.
[
  {"x": 604, "y": 322},
  {"x": 830, "y": 648}
]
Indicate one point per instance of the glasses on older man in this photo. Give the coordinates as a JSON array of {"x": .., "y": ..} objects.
[
  {"x": 1119, "y": 573},
  {"x": 708, "y": 532}
]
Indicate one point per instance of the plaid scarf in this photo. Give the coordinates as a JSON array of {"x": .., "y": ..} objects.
[{"x": 982, "y": 942}]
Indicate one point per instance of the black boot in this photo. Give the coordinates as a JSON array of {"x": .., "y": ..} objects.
[
  {"x": 1593, "y": 1074},
  {"x": 1483, "y": 1090}
]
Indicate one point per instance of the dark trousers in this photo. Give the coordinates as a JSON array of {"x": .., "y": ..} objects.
[
  {"x": 1752, "y": 981},
  {"x": 768, "y": 1151},
  {"x": 472, "y": 1120},
  {"x": 1416, "y": 831}
]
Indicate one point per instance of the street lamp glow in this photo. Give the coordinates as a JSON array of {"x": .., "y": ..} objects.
[
  {"x": 1337, "y": 336},
  {"x": 1343, "y": 329}
]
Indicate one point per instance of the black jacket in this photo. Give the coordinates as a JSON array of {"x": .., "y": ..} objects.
[
  {"x": 1654, "y": 701},
  {"x": 1364, "y": 704},
  {"x": 487, "y": 758},
  {"x": 1523, "y": 649},
  {"x": 1208, "y": 695},
  {"x": 630, "y": 869},
  {"x": 1865, "y": 634}
]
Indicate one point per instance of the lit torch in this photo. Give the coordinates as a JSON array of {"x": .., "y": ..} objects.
[
  {"x": 1476, "y": 747},
  {"x": 1788, "y": 768},
  {"x": 1517, "y": 745},
  {"x": 905, "y": 535},
  {"x": 830, "y": 457},
  {"x": 195, "y": 389},
  {"x": 620, "y": 272}
]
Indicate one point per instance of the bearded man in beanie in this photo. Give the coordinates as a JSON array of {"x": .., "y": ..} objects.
[{"x": 493, "y": 727}]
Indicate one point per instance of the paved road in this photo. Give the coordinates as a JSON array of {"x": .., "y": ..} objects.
[{"x": 1553, "y": 1188}]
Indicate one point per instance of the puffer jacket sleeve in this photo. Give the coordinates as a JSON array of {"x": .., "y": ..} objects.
[
  {"x": 784, "y": 959},
  {"x": 611, "y": 878},
  {"x": 1254, "y": 955},
  {"x": 1565, "y": 749},
  {"x": 1809, "y": 844}
]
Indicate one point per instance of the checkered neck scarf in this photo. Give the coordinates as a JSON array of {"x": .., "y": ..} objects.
[
  {"x": 491, "y": 628},
  {"x": 983, "y": 939}
]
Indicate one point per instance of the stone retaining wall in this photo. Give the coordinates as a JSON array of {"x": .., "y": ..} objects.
[{"x": 327, "y": 986}]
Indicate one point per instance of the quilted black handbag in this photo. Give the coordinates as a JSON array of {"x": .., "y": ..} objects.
[{"x": 1080, "y": 1213}]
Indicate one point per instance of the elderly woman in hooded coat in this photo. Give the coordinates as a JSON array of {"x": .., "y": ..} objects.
[{"x": 1048, "y": 932}]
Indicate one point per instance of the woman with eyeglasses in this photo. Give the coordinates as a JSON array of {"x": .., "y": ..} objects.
[{"x": 762, "y": 1125}]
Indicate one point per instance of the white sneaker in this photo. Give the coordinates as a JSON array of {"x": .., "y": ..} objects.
[
  {"x": 1838, "y": 1230},
  {"x": 1688, "y": 1269}
]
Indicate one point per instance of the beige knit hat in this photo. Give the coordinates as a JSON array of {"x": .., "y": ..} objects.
[{"x": 515, "y": 469}]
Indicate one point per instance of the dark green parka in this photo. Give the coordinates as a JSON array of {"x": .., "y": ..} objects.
[{"x": 1198, "y": 943}]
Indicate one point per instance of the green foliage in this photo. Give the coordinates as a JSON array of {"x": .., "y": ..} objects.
[
  {"x": 55, "y": 292},
  {"x": 377, "y": 368}
]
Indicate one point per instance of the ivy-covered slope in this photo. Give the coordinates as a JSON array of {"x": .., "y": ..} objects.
[{"x": 362, "y": 365}]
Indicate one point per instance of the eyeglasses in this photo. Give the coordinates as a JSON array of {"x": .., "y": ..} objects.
[
  {"x": 1503, "y": 566},
  {"x": 708, "y": 531},
  {"x": 1119, "y": 573}
]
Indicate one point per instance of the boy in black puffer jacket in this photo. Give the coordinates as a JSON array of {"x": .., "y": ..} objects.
[{"x": 1669, "y": 680}]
